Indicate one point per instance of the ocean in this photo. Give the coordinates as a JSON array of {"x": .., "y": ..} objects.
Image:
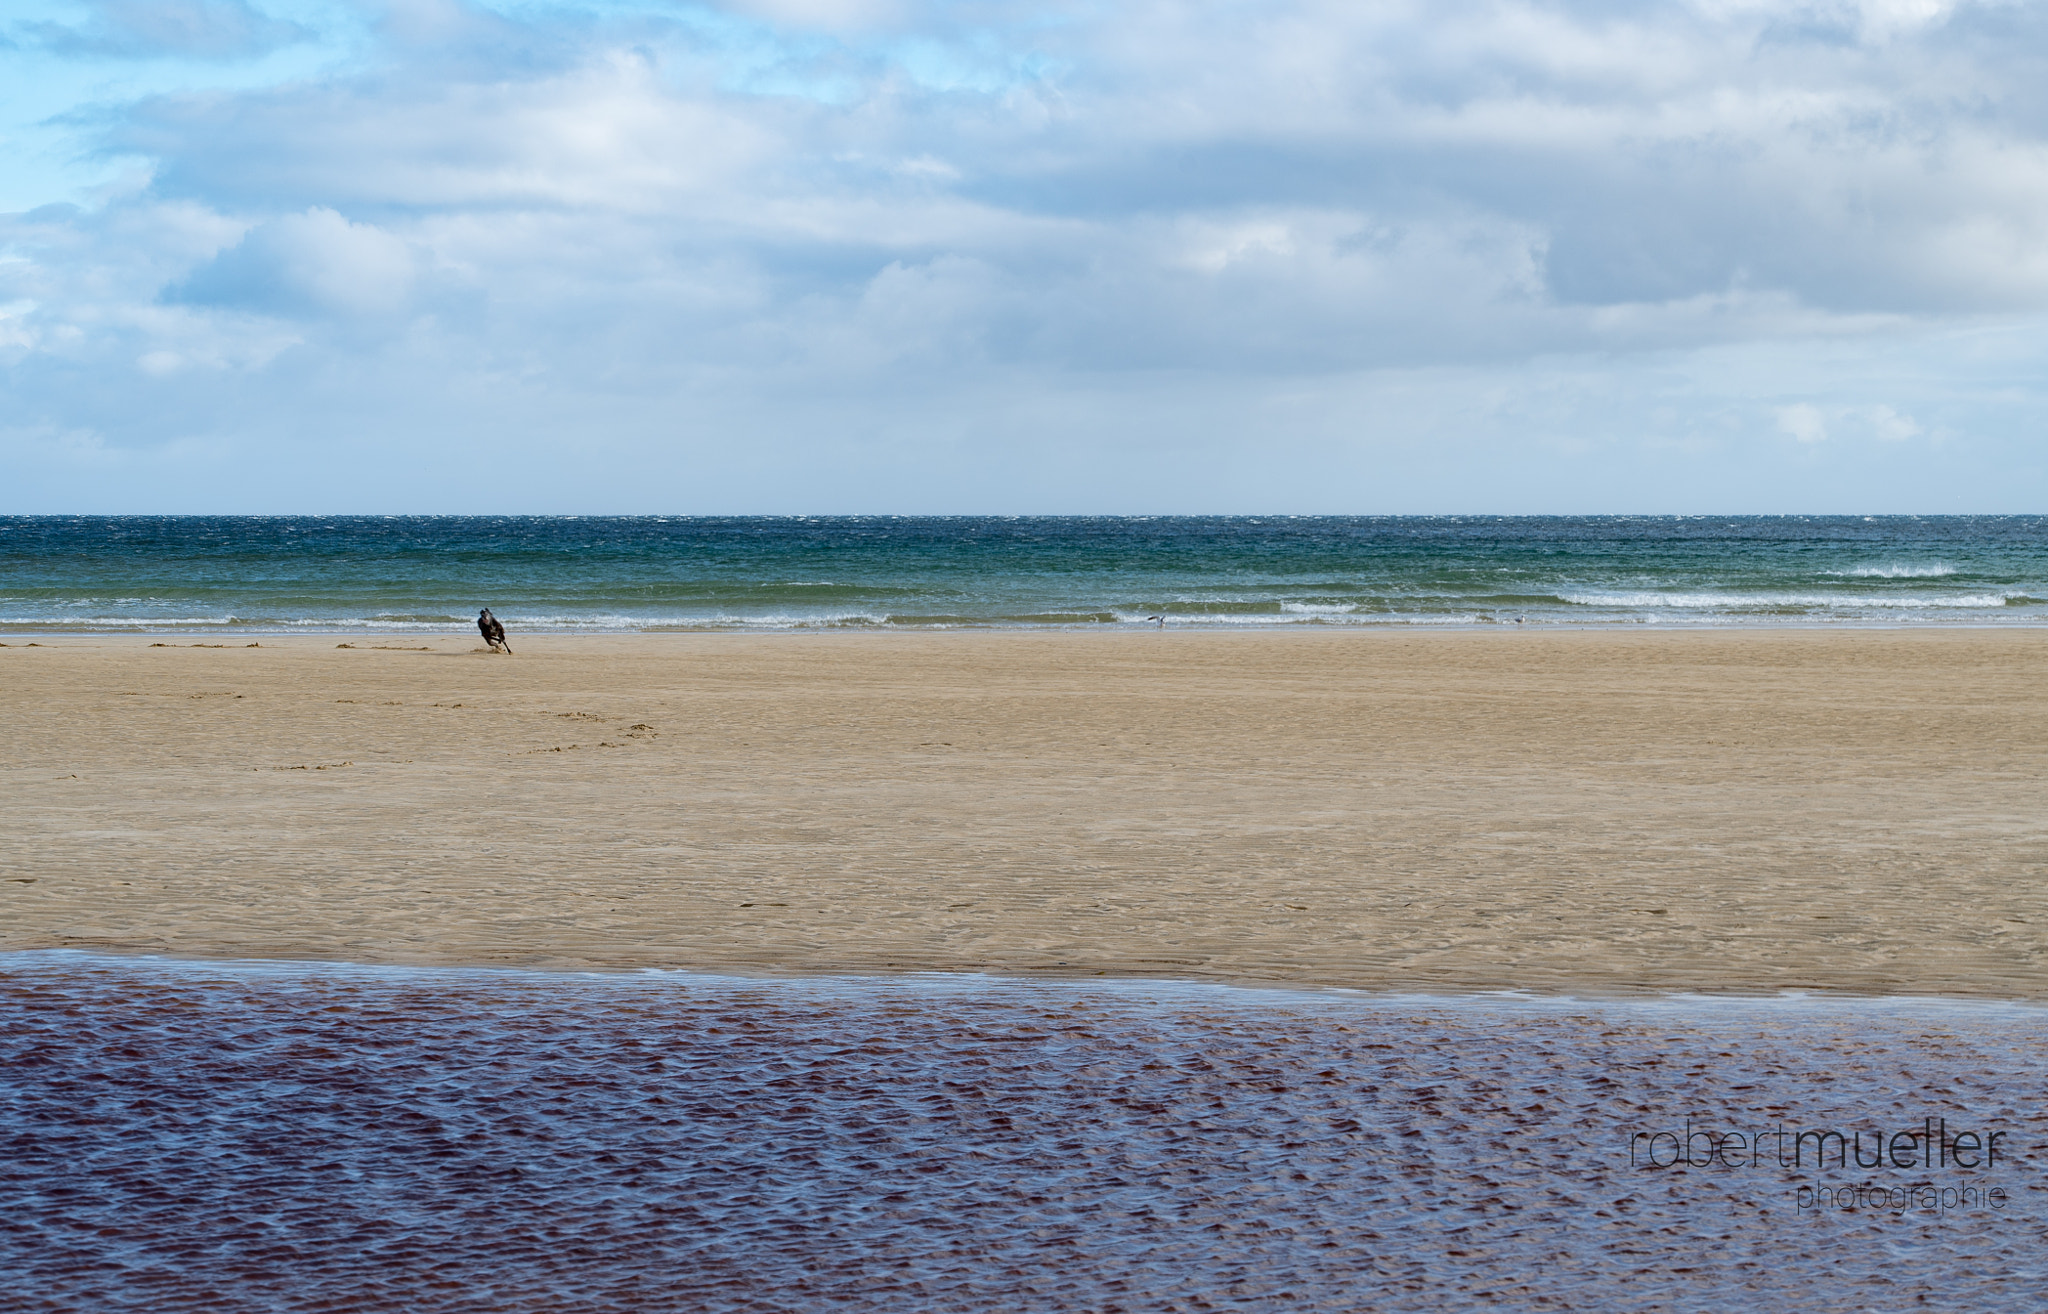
[
  {"x": 412, "y": 574},
  {"x": 227, "y": 1137}
]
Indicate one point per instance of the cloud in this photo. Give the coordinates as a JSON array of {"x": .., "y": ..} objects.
[
  {"x": 604, "y": 135},
  {"x": 154, "y": 29},
  {"x": 1537, "y": 167},
  {"x": 1804, "y": 422},
  {"x": 316, "y": 262},
  {"x": 831, "y": 15},
  {"x": 824, "y": 220}
]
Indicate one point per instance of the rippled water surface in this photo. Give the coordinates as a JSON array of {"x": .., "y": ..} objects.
[
  {"x": 286, "y": 1137},
  {"x": 430, "y": 574}
]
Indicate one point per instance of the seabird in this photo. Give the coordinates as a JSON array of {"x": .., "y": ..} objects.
[
  {"x": 1160, "y": 619},
  {"x": 493, "y": 632}
]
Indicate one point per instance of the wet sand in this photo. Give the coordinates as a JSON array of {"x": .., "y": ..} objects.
[
  {"x": 1591, "y": 812},
  {"x": 229, "y": 1137}
]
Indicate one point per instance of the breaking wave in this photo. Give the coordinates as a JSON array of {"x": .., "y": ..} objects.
[
  {"x": 1895, "y": 572},
  {"x": 417, "y": 575}
]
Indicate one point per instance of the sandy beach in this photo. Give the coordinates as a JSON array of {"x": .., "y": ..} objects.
[{"x": 1597, "y": 812}]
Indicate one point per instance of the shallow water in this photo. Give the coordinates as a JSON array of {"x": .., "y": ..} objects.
[{"x": 222, "y": 1137}]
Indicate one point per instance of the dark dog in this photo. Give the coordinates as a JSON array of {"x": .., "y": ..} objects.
[{"x": 494, "y": 633}]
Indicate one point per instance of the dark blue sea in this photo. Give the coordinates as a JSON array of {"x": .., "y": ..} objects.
[{"x": 416, "y": 574}]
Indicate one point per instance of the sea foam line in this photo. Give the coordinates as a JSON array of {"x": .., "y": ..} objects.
[{"x": 1835, "y": 601}]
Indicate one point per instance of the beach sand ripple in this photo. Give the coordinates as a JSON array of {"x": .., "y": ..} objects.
[{"x": 1598, "y": 812}]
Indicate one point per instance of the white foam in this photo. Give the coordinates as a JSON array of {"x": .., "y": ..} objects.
[
  {"x": 1837, "y": 601},
  {"x": 1218, "y": 620},
  {"x": 1895, "y": 572},
  {"x": 120, "y": 622}
]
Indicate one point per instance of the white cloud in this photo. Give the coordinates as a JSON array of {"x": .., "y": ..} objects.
[
  {"x": 832, "y": 15},
  {"x": 1891, "y": 426},
  {"x": 1804, "y": 423},
  {"x": 315, "y": 262},
  {"x": 191, "y": 29},
  {"x": 14, "y": 329},
  {"x": 788, "y": 210}
]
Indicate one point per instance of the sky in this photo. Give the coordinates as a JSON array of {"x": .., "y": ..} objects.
[{"x": 995, "y": 257}]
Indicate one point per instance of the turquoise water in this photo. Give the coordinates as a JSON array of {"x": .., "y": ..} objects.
[{"x": 399, "y": 573}]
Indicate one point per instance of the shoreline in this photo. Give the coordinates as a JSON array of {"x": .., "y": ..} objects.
[
  {"x": 31, "y": 635},
  {"x": 1737, "y": 812},
  {"x": 1162, "y": 988}
]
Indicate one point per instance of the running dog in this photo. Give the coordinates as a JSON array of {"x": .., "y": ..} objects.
[{"x": 493, "y": 632}]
